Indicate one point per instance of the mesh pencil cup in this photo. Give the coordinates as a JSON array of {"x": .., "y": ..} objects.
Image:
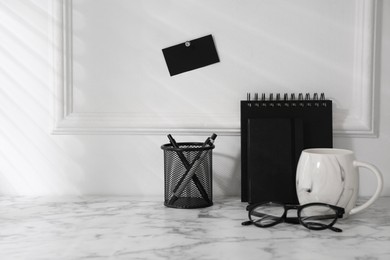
[{"x": 188, "y": 175}]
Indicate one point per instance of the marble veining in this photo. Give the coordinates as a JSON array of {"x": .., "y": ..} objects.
[{"x": 143, "y": 228}]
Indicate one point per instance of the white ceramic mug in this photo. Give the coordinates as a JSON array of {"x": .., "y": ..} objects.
[{"x": 331, "y": 176}]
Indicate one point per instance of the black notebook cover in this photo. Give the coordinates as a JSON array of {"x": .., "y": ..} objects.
[
  {"x": 272, "y": 154},
  {"x": 273, "y": 134}
]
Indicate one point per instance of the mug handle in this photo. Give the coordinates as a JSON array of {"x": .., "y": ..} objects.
[{"x": 378, "y": 188}]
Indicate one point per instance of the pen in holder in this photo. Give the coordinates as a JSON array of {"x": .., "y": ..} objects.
[{"x": 188, "y": 173}]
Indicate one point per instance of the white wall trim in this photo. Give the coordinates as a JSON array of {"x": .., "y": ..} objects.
[{"x": 360, "y": 121}]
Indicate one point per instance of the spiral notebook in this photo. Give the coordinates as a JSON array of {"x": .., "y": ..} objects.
[{"x": 274, "y": 131}]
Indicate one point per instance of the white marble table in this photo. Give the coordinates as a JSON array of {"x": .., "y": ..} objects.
[{"x": 143, "y": 228}]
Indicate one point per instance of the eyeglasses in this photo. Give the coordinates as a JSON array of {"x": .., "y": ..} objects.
[{"x": 314, "y": 216}]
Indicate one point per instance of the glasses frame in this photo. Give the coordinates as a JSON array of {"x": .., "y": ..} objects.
[{"x": 296, "y": 220}]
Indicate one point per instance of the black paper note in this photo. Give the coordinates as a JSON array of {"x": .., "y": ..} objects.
[{"x": 191, "y": 55}]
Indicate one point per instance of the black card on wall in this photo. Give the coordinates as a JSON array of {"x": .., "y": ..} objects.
[{"x": 191, "y": 55}]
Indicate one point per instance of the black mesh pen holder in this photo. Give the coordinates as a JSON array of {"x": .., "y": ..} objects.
[{"x": 188, "y": 175}]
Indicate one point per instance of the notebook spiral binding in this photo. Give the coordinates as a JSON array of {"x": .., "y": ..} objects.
[{"x": 287, "y": 100}]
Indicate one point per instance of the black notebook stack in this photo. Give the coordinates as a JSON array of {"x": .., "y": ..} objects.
[{"x": 274, "y": 131}]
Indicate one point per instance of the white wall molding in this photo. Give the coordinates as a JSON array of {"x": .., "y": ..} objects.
[{"x": 358, "y": 120}]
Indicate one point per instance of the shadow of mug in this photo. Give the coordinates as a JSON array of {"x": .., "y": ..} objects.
[{"x": 331, "y": 176}]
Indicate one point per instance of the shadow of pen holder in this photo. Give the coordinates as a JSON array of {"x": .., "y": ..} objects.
[{"x": 188, "y": 175}]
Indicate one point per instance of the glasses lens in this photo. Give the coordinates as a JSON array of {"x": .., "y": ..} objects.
[
  {"x": 267, "y": 214},
  {"x": 318, "y": 216}
]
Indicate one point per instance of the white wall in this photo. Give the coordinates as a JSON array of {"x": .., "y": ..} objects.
[{"x": 35, "y": 162}]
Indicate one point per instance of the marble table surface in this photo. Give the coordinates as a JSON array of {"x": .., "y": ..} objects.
[{"x": 143, "y": 228}]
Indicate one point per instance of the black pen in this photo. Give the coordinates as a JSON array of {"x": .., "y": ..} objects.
[
  {"x": 187, "y": 165},
  {"x": 191, "y": 171}
]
